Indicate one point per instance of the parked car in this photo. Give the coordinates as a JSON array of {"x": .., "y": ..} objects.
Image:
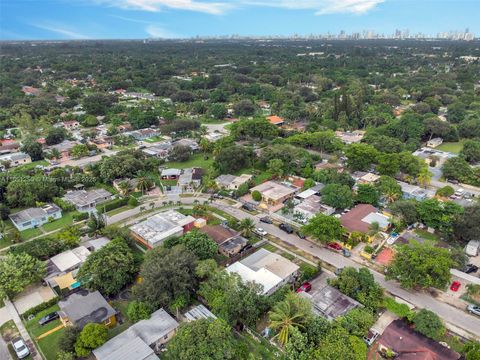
[
  {"x": 306, "y": 286},
  {"x": 455, "y": 286},
  {"x": 371, "y": 337},
  {"x": 300, "y": 235},
  {"x": 20, "y": 348},
  {"x": 474, "y": 309},
  {"x": 248, "y": 207},
  {"x": 346, "y": 253},
  {"x": 334, "y": 246},
  {"x": 247, "y": 247},
  {"x": 48, "y": 318},
  {"x": 266, "y": 220},
  {"x": 260, "y": 232},
  {"x": 470, "y": 268},
  {"x": 285, "y": 227}
]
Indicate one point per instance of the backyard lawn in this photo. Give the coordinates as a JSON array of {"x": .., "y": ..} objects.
[
  {"x": 453, "y": 147},
  {"x": 197, "y": 160},
  {"x": 65, "y": 220},
  {"x": 49, "y": 344}
]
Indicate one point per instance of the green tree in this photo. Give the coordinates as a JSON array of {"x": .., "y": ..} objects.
[
  {"x": 79, "y": 151},
  {"x": 389, "y": 188},
  {"x": 167, "y": 274},
  {"x": 180, "y": 153},
  {"x": 424, "y": 177},
  {"x": 421, "y": 265},
  {"x": 471, "y": 151},
  {"x": 55, "y": 136},
  {"x": 256, "y": 195},
  {"x": 472, "y": 350},
  {"x": 217, "y": 111},
  {"x": 360, "y": 156},
  {"x": 247, "y": 226},
  {"x": 203, "y": 339},
  {"x": 388, "y": 164},
  {"x": 200, "y": 244},
  {"x": 466, "y": 226},
  {"x": 67, "y": 340},
  {"x": 445, "y": 191},
  {"x": 357, "y": 321},
  {"x": 439, "y": 215},
  {"x": 457, "y": 168},
  {"x": 276, "y": 167},
  {"x": 293, "y": 312},
  {"x": 109, "y": 269},
  {"x": 339, "y": 345},
  {"x": 32, "y": 148},
  {"x": 337, "y": 196},
  {"x": 17, "y": 271},
  {"x": 324, "y": 228},
  {"x": 91, "y": 337},
  {"x": 367, "y": 194},
  {"x": 232, "y": 158},
  {"x": 137, "y": 311},
  {"x": 429, "y": 324}
]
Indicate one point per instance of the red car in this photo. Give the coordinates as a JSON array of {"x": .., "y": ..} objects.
[
  {"x": 455, "y": 286},
  {"x": 335, "y": 246},
  {"x": 306, "y": 286}
]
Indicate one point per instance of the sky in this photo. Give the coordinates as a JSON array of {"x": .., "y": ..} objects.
[{"x": 141, "y": 19}]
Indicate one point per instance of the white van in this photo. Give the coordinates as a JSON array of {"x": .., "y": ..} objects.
[{"x": 472, "y": 248}]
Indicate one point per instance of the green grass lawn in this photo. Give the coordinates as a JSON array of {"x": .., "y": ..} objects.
[
  {"x": 258, "y": 350},
  {"x": 426, "y": 235},
  {"x": 30, "y": 166},
  {"x": 269, "y": 247},
  {"x": 30, "y": 233},
  {"x": 197, "y": 160},
  {"x": 453, "y": 147},
  {"x": 154, "y": 139},
  {"x": 35, "y": 329},
  {"x": 49, "y": 344},
  {"x": 169, "y": 182},
  {"x": 65, "y": 220}
]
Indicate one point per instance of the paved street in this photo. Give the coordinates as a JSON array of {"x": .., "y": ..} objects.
[
  {"x": 4, "y": 354},
  {"x": 450, "y": 314}
]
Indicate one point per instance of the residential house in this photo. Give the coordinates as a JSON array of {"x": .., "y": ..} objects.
[
  {"x": 268, "y": 269},
  {"x": 192, "y": 144},
  {"x": 314, "y": 190},
  {"x": 275, "y": 120},
  {"x": 170, "y": 174},
  {"x": 310, "y": 207},
  {"x": 131, "y": 183},
  {"x": 415, "y": 192},
  {"x": 214, "y": 136},
  {"x": 232, "y": 182},
  {"x": 350, "y": 137},
  {"x": 365, "y": 178},
  {"x": 102, "y": 142},
  {"x": 87, "y": 200},
  {"x": 34, "y": 217},
  {"x": 70, "y": 125},
  {"x": 361, "y": 217},
  {"x": 156, "y": 229},
  {"x": 324, "y": 164},
  {"x": 407, "y": 344},
  {"x": 31, "y": 91},
  {"x": 96, "y": 244},
  {"x": 62, "y": 269},
  {"x": 143, "y": 134},
  {"x": 64, "y": 148},
  {"x": 83, "y": 307},
  {"x": 433, "y": 143},
  {"x": 141, "y": 340},
  {"x": 160, "y": 150},
  {"x": 329, "y": 302},
  {"x": 274, "y": 193},
  {"x": 15, "y": 159},
  {"x": 229, "y": 242},
  {"x": 8, "y": 146},
  {"x": 190, "y": 179},
  {"x": 125, "y": 127}
]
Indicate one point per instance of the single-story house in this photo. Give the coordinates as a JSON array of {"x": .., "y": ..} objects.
[
  {"x": 366, "y": 178},
  {"x": 190, "y": 179},
  {"x": 232, "y": 182},
  {"x": 31, "y": 91},
  {"x": 160, "y": 150},
  {"x": 350, "y": 137},
  {"x": 314, "y": 190},
  {"x": 141, "y": 340},
  {"x": 87, "y": 200},
  {"x": 415, "y": 192},
  {"x": 214, "y": 136},
  {"x": 229, "y": 241},
  {"x": 361, "y": 217},
  {"x": 329, "y": 302},
  {"x": 64, "y": 148},
  {"x": 274, "y": 193},
  {"x": 408, "y": 344},
  {"x": 433, "y": 143},
  {"x": 323, "y": 165},
  {"x": 85, "y": 307},
  {"x": 132, "y": 184},
  {"x": 198, "y": 312},
  {"x": 15, "y": 159},
  {"x": 310, "y": 207},
  {"x": 156, "y": 229},
  {"x": 34, "y": 217},
  {"x": 70, "y": 125},
  {"x": 170, "y": 174},
  {"x": 8, "y": 146},
  {"x": 102, "y": 142},
  {"x": 268, "y": 269},
  {"x": 143, "y": 134},
  {"x": 192, "y": 144},
  {"x": 96, "y": 244},
  {"x": 275, "y": 120},
  {"x": 232, "y": 246}
]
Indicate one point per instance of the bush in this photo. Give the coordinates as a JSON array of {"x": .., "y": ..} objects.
[
  {"x": 138, "y": 310},
  {"x": 446, "y": 191},
  {"x": 36, "y": 309},
  {"x": 429, "y": 324},
  {"x": 401, "y": 310},
  {"x": 68, "y": 339},
  {"x": 111, "y": 205},
  {"x": 62, "y": 204},
  {"x": 256, "y": 195},
  {"x": 368, "y": 249},
  {"x": 132, "y": 201},
  {"x": 91, "y": 337},
  {"x": 79, "y": 216},
  {"x": 308, "y": 271}
]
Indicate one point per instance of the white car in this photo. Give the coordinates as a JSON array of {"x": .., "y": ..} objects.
[
  {"x": 260, "y": 231},
  {"x": 20, "y": 348}
]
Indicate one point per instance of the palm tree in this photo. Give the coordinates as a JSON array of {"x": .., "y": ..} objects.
[
  {"x": 424, "y": 177},
  {"x": 293, "y": 312},
  {"x": 143, "y": 184},
  {"x": 247, "y": 225},
  {"x": 125, "y": 188},
  {"x": 373, "y": 228},
  {"x": 391, "y": 196}
]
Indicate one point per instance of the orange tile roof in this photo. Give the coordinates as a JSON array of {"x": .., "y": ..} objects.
[{"x": 275, "y": 120}]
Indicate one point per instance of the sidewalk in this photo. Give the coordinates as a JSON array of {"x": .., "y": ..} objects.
[{"x": 23, "y": 332}]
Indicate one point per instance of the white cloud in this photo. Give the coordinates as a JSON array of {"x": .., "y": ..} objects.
[
  {"x": 156, "y": 31},
  {"x": 62, "y": 30},
  {"x": 208, "y": 7},
  {"x": 321, "y": 6}
]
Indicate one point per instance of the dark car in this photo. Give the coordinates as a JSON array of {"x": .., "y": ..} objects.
[
  {"x": 285, "y": 227},
  {"x": 48, "y": 318},
  {"x": 266, "y": 220},
  {"x": 300, "y": 235},
  {"x": 470, "y": 268}
]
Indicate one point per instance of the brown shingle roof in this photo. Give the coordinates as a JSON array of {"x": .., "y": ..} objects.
[
  {"x": 352, "y": 220},
  {"x": 218, "y": 233}
]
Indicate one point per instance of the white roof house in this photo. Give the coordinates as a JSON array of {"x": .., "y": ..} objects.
[
  {"x": 137, "y": 341},
  {"x": 199, "y": 312},
  {"x": 265, "y": 268},
  {"x": 70, "y": 259}
]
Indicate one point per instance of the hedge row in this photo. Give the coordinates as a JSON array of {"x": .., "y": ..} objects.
[
  {"x": 78, "y": 216},
  {"x": 111, "y": 205},
  {"x": 35, "y": 310}
]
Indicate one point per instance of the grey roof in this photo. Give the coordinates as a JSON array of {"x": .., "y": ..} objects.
[
  {"x": 148, "y": 331},
  {"x": 234, "y": 243},
  {"x": 199, "y": 312},
  {"x": 171, "y": 172},
  {"x": 14, "y": 157},
  {"x": 34, "y": 213},
  {"x": 86, "y": 197},
  {"x": 131, "y": 349},
  {"x": 330, "y": 302},
  {"x": 84, "y": 307},
  {"x": 225, "y": 179}
]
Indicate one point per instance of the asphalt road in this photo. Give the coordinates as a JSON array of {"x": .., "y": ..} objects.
[
  {"x": 4, "y": 354},
  {"x": 450, "y": 314}
]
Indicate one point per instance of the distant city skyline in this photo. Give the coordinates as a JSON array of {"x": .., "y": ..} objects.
[{"x": 142, "y": 19}]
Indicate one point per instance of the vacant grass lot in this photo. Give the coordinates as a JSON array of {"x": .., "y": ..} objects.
[
  {"x": 197, "y": 160},
  {"x": 453, "y": 147}
]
